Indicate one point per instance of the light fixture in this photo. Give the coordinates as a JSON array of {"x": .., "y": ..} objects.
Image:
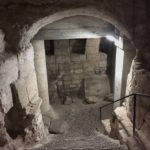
[
  {"x": 111, "y": 38},
  {"x": 118, "y": 42}
]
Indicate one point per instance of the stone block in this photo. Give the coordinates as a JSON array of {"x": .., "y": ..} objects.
[
  {"x": 61, "y": 44},
  {"x": 75, "y": 58},
  {"x": 93, "y": 57},
  {"x": 92, "y": 50},
  {"x": 50, "y": 59},
  {"x": 85, "y": 65},
  {"x": 83, "y": 58},
  {"x": 68, "y": 100},
  {"x": 66, "y": 58},
  {"x": 93, "y": 42},
  {"x": 77, "y": 81},
  {"x": 67, "y": 84},
  {"x": 20, "y": 93},
  {"x": 60, "y": 59},
  {"x": 103, "y": 56},
  {"x": 103, "y": 64},
  {"x": 64, "y": 68},
  {"x": 78, "y": 71},
  {"x": 77, "y": 65},
  {"x": 57, "y": 52},
  {"x": 65, "y": 51},
  {"x": 59, "y": 83},
  {"x": 62, "y": 51},
  {"x": 76, "y": 77},
  {"x": 91, "y": 99},
  {"x": 52, "y": 68},
  {"x": 73, "y": 86},
  {"x": 96, "y": 85},
  {"x": 8, "y": 69},
  {"x": 88, "y": 68},
  {"x": 92, "y": 45},
  {"x": 6, "y": 101}
]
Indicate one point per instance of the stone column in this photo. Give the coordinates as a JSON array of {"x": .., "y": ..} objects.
[
  {"x": 118, "y": 71},
  {"x": 41, "y": 72}
]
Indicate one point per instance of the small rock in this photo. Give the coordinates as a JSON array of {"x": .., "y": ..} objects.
[
  {"x": 109, "y": 97},
  {"x": 91, "y": 99},
  {"x": 57, "y": 127},
  {"x": 68, "y": 100}
]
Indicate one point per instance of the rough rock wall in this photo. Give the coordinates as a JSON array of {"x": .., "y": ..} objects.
[
  {"x": 129, "y": 54},
  {"x": 19, "y": 100},
  {"x": 139, "y": 81}
]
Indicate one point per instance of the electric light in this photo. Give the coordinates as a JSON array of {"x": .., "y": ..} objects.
[{"x": 111, "y": 38}]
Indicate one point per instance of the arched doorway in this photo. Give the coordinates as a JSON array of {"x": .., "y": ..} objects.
[{"x": 36, "y": 37}]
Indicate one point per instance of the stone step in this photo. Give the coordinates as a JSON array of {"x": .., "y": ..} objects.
[{"x": 94, "y": 142}]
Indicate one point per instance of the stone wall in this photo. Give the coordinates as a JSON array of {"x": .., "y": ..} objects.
[
  {"x": 67, "y": 71},
  {"x": 139, "y": 82}
]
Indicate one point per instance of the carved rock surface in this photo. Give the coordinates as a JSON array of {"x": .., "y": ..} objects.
[{"x": 5, "y": 99}]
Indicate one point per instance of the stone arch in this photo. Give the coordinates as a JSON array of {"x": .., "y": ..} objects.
[{"x": 28, "y": 34}]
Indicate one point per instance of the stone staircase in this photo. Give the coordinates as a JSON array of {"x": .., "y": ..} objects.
[
  {"x": 84, "y": 130},
  {"x": 121, "y": 128},
  {"x": 96, "y": 142}
]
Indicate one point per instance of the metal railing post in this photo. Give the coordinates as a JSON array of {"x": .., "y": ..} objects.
[{"x": 134, "y": 114}]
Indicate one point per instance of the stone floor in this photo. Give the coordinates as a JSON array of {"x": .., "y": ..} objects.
[{"x": 84, "y": 130}]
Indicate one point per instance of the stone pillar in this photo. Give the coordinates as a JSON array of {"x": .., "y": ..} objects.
[
  {"x": 41, "y": 72},
  {"x": 118, "y": 70}
]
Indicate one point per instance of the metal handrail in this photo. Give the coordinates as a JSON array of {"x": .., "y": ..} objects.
[{"x": 134, "y": 106}]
